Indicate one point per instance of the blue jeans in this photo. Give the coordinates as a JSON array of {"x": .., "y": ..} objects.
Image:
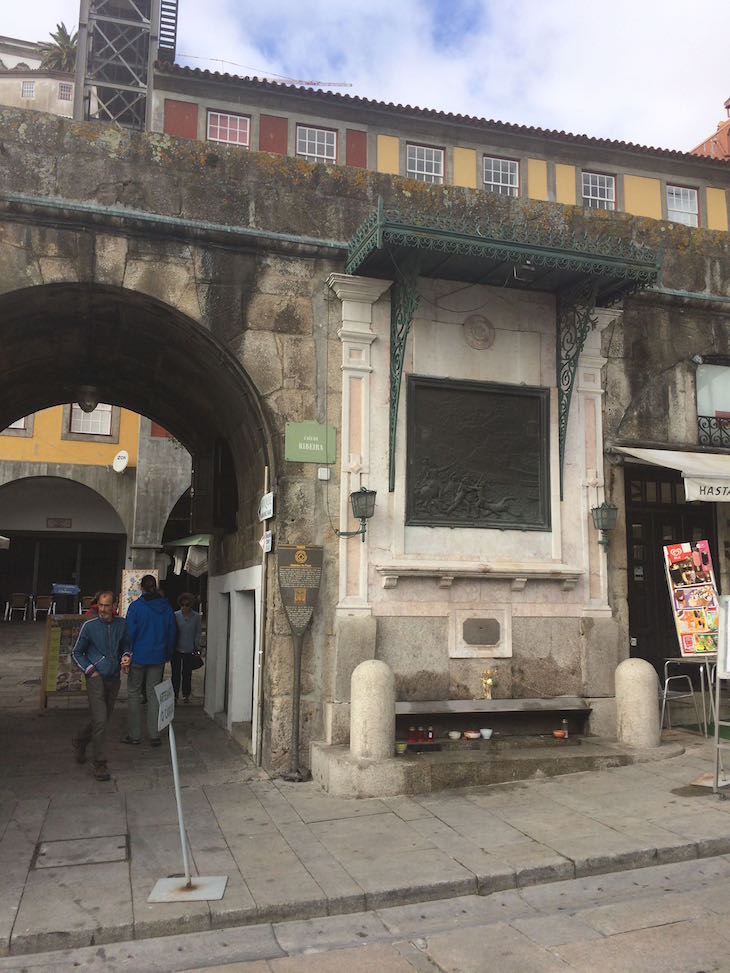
[{"x": 149, "y": 677}]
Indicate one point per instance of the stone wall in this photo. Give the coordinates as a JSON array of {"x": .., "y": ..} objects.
[{"x": 220, "y": 258}]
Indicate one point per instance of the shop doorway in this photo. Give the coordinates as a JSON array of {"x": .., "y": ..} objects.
[{"x": 657, "y": 514}]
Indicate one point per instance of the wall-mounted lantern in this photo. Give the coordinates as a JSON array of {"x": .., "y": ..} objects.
[
  {"x": 604, "y": 519},
  {"x": 363, "y": 507},
  {"x": 87, "y": 398}
]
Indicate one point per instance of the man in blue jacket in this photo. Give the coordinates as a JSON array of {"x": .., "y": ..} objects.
[
  {"x": 152, "y": 631},
  {"x": 101, "y": 650}
]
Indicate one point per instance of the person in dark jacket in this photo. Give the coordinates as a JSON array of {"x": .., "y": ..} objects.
[
  {"x": 101, "y": 651},
  {"x": 152, "y": 631}
]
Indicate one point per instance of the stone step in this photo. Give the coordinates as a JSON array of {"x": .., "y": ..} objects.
[
  {"x": 466, "y": 765},
  {"x": 473, "y": 765}
]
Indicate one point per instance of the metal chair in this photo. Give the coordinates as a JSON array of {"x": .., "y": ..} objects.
[
  {"x": 676, "y": 688},
  {"x": 43, "y": 603},
  {"x": 18, "y": 602}
]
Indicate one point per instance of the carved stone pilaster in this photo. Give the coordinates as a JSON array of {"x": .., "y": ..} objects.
[{"x": 357, "y": 294}]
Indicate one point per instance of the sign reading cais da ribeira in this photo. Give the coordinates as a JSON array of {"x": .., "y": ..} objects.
[
  {"x": 300, "y": 574},
  {"x": 309, "y": 442}
]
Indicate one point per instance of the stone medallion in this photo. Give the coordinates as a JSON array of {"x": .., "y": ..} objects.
[{"x": 478, "y": 332}]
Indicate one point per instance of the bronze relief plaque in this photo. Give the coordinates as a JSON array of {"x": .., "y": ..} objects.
[{"x": 478, "y": 455}]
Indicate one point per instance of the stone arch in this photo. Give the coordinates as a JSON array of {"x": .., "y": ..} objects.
[
  {"x": 24, "y": 504},
  {"x": 86, "y": 546},
  {"x": 142, "y": 354}
]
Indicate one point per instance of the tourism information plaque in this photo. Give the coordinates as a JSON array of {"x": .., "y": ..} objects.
[{"x": 300, "y": 575}]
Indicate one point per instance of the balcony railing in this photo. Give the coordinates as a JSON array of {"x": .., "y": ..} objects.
[{"x": 713, "y": 431}]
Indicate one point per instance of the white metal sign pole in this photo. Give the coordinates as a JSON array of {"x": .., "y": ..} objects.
[
  {"x": 722, "y": 671},
  {"x": 195, "y": 889},
  {"x": 178, "y": 801}
]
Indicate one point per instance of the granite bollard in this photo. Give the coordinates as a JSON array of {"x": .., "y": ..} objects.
[
  {"x": 372, "y": 711},
  {"x": 637, "y": 704}
]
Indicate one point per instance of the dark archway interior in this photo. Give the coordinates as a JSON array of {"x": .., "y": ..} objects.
[{"x": 137, "y": 353}]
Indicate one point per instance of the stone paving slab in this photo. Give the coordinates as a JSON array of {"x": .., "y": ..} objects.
[
  {"x": 659, "y": 949},
  {"x": 334, "y": 932},
  {"x": 482, "y": 949},
  {"x": 81, "y": 851},
  {"x": 74, "y": 906}
]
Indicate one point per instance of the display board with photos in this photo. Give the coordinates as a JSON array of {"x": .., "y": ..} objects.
[
  {"x": 60, "y": 676},
  {"x": 693, "y": 595},
  {"x": 131, "y": 588}
]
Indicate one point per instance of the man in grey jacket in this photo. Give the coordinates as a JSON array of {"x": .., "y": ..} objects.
[{"x": 101, "y": 651}]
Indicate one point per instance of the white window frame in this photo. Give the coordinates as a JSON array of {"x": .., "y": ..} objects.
[
  {"x": 21, "y": 427},
  {"x": 683, "y": 205},
  {"x": 425, "y": 163},
  {"x": 316, "y": 144},
  {"x": 504, "y": 176},
  {"x": 65, "y": 91},
  {"x": 27, "y": 89},
  {"x": 96, "y": 423},
  {"x": 234, "y": 126},
  {"x": 598, "y": 190}
]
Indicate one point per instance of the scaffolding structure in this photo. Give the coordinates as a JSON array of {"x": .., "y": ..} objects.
[{"x": 119, "y": 42}]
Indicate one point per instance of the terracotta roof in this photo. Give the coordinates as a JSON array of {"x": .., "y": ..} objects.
[
  {"x": 426, "y": 113},
  {"x": 19, "y": 69}
]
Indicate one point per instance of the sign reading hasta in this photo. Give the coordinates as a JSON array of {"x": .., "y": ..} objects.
[
  {"x": 300, "y": 574},
  {"x": 309, "y": 442}
]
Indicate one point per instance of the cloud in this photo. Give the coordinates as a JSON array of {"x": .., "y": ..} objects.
[{"x": 651, "y": 72}]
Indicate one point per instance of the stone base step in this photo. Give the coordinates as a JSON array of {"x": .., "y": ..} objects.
[{"x": 468, "y": 766}]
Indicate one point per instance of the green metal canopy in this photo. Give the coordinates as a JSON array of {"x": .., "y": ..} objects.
[
  {"x": 517, "y": 251},
  {"x": 194, "y": 540}
]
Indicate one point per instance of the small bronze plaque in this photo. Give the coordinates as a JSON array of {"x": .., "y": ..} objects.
[{"x": 481, "y": 631}]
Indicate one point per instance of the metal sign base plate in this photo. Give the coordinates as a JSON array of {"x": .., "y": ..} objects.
[
  {"x": 708, "y": 780},
  {"x": 202, "y": 888}
]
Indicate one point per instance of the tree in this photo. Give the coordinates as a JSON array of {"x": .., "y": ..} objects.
[{"x": 60, "y": 54}]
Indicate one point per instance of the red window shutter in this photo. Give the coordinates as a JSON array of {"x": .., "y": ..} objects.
[
  {"x": 273, "y": 131},
  {"x": 181, "y": 118},
  {"x": 356, "y": 152}
]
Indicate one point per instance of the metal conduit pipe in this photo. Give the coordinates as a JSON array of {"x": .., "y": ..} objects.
[{"x": 691, "y": 295}]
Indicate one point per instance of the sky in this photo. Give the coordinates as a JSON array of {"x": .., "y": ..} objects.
[{"x": 653, "y": 72}]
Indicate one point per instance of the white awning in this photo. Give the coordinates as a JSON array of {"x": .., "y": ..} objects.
[{"x": 706, "y": 475}]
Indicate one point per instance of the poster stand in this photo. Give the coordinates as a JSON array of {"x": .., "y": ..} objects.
[{"x": 60, "y": 676}]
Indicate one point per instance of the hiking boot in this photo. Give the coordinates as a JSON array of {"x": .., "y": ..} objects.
[
  {"x": 155, "y": 742},
  {"x": 101, "y": 771},
  {"x": 129, "y": 739},
  {"x": 79, "y": 749}
]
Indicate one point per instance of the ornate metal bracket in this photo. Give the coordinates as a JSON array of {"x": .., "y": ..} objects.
[
  {"x": 403, "y": 303},
  {"x": 575, "y": 318}
]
